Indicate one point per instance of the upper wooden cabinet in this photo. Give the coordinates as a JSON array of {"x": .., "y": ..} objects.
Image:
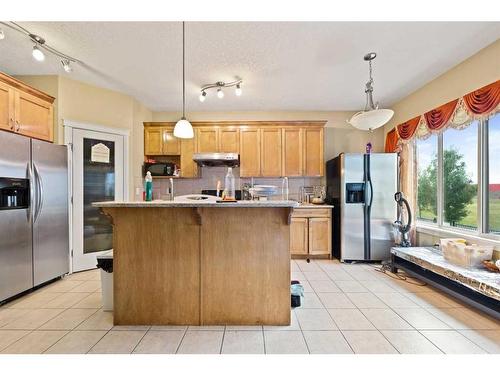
[
  {"x": 266, "y": 149},
  {"x": 153, "y": 141},
  {"x": 250, "y": 152},
  {"x": 293, "y": 151},
  {"x": 170, "y": 145},
  {"x": 229, "y": 140},
  {"x": 25, "y": 110},
  {"x": 207, "y": 140},
  {"x": 161, "y": 141},
  {"x": 313, "y": 152},
  {"x": 270, "y": 156},
  {"x": 188, "y": 167}
]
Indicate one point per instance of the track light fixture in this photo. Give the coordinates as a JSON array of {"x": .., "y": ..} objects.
[
  {"x": 66, "y": 64},
  {"x": 219, "y": 86},
  {"x": 40, "y": 47}
]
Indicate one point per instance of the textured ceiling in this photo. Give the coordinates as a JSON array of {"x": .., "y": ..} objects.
[{"x": 284, "y": 65}]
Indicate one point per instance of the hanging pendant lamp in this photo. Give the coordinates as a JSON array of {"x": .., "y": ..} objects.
[
  {"x": 183, "y": 128},
  {"x": 372, "y": 117}
]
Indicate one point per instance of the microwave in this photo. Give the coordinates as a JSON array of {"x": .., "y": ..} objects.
[{"x": 159, "y": 169}]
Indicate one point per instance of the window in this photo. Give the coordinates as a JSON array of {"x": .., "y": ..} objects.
[
  {"x": 458, "y": 183},
  {"x": 427, "y": 179},
  {"x": 460, "y": 177},
  {"x": 494, "y": 175}
]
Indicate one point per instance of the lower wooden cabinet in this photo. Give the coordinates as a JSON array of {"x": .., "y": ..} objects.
[
  {"x": 298, "y": 235},
  {"x": 311, "y": 232}
]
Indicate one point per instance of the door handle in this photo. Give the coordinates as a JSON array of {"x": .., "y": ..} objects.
[
  {"x": 39, "y": 192},
  {"x": 371, "y": 192},
  {"x": 32, "y": 190}
]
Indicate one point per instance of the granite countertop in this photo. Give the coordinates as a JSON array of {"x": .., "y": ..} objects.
[{"x": 166, "y": 204}]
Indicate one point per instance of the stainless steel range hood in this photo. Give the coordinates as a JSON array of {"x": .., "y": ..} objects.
[{"x": 217, "y": 159}]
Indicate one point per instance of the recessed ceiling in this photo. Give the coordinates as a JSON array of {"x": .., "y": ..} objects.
[{"x": 284, "y": 65}]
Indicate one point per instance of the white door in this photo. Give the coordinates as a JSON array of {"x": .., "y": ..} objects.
[{"x": 97, "y": 175}]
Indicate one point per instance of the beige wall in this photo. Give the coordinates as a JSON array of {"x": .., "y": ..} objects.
[
  {"x": 78, "y": 101},
  {"x": 477, "y": 71}
]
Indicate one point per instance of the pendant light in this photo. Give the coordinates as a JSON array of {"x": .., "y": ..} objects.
[
  {"x": 372, "y": 117},
  {"x": 183, "y": 128}
]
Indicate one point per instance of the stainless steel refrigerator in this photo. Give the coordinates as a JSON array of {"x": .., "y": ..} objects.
[
  {"x": 361, "y": 187},
  {"x": 34, "y": 240}
]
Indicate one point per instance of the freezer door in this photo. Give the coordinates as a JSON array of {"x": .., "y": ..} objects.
[
  {"x": 14, "y": 155},
  {"x": 16, "y": 273},
  {"x": 50, "y": 218},
  {"x": 352, "y": 224},
  {"x": 383, "y": 172}
]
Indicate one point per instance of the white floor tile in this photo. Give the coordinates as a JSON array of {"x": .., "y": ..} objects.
[
  {"x": 315, "y": 320},
  {"x": 159, "y": 342},
  {"x": 243, "y": 342},
  {"x": 327, "y": 342},
  {"x": 368, "y": 342},
  {"x": 285, "y": 342},
  {"x": 452, "y": 342},
  {"x": 410, "y": 342},
  {"x": 201, "y": 342}
]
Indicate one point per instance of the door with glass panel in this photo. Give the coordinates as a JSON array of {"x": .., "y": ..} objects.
[{"x": 97, "y": 175}]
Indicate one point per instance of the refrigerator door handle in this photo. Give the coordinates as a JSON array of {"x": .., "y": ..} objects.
[
  {"x": 32, "y": 192},
  {"x": 371, "y": 192},
  {"x": 39, "y": 192}
]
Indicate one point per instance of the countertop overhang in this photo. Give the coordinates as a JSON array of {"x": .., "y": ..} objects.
[{"x": 177, "y": 204}]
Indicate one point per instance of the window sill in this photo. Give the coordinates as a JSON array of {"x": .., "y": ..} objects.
[{"x": 434, "y": 230}]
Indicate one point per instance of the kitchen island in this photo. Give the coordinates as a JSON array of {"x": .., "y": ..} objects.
[{"x": 201, "y": 263}]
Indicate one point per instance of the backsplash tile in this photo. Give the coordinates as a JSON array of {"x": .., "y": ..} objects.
[{"x": 210, "y": 176}]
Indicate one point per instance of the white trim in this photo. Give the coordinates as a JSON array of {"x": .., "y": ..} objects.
[
  {"x": 95, "y": 127},
  {"x": 434, "y": 230},
  {"x": 68, "y": 140}
]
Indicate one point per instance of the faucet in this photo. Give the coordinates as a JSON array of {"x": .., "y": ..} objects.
[
  {"x": 284, "y": 189},
  {"x": 171, "y": 188}
]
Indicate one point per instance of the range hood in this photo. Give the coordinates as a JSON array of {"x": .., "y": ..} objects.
[{"x": 217, "y": 159}]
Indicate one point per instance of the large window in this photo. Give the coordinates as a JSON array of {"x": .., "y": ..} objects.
[
  {"x": 494, "y": 175},
  {"x": 458, "y": 182},
  {"x": 427, "y": 179},
  {"x": 460, "y": 177}
]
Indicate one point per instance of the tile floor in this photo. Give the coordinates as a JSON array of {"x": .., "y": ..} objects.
[{"x": 346, "y": 309}]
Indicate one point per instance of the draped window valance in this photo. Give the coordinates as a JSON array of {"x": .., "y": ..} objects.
[{"x": 458, "y": 113}]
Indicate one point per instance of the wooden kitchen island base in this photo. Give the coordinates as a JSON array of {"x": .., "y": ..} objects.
[{"x": 203, "y": 265}]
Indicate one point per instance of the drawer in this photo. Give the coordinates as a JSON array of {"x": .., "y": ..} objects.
[{"x": 312, "y": 212}]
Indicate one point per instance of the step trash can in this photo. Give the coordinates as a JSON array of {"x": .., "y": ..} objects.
[
  {"x": 296, "y": 291},
  {"x": 105, "y": 263}
]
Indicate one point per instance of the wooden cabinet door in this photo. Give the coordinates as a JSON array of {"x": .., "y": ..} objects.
[
  {"x": 207, "y": 140},
  {"x": 292, "y": 156},
  {"x": 6, "y": 107},
  {"x": 313, "y": 152},
  {"x": 320, "y": 242},
  {"x": 34, "y": 117},
  {"x": 188, "y": 167},
  {"x": 229, "y": 140},
  {"x": 270, "y": 151},
  {"x": 249, "y": 152},
  {"x": 298, "y": 236},
  {"x": 171, "y": 145},
  {"x": 153, "y": 141}
]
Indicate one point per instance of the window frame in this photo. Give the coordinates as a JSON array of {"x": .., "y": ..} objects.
[{"x": 482, "y": 188}]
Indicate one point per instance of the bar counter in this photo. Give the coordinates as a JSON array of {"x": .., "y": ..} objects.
[{"x": 201, "y": 263}]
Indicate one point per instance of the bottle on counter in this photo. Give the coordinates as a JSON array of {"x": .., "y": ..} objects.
[
  {"x": 148, "y": 186},
  {"x": 229, "y": 190}
]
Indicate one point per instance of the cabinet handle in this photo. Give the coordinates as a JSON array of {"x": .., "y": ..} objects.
[
  {"x": 12, "y": 126},
  {"x": 18, "y": 125}
]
